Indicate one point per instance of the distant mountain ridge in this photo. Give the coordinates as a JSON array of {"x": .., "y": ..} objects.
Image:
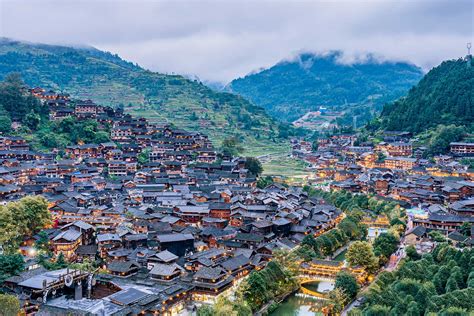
[
  {"x": 291, "y": 88},
  {"x": 86, "y": 72}
]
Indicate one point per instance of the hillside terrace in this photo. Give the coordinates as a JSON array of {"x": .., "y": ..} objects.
[{"x": 153, "y": 225}]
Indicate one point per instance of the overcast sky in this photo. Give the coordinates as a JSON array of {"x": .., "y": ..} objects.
[{"x": 222, "y": 40}]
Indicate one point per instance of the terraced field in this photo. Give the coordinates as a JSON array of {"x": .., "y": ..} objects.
[{"x": 88, "y": 73}]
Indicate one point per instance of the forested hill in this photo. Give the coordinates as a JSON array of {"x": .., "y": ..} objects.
[
  {"x": 290, "y": 89},
  {"x": 444, "y": 96},
  {"x": 88, "y": 73}
]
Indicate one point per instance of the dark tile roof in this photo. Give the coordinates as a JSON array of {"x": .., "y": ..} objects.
[
  {"x": 235, "y": 263},
  {"x": 209, "y": 273},
  {"x": 122, "y": 266}
]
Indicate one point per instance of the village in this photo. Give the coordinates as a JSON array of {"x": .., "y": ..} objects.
[
  {"x": 437, "y": 193},
  {"x": 169, "y": 223}
]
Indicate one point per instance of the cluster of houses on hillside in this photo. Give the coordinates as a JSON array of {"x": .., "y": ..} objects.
[
  {"x": 169, "y": 222},
  {"x": 441, "y": 190},
  {"x": 165, "y": 219}
]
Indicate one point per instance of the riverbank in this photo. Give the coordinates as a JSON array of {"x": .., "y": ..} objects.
[
  {"x": 264, "y": 309},
  {"x": 300, "y": 304}
]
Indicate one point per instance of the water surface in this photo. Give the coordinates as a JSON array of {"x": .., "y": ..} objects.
[{"x": 298, "y": 304}]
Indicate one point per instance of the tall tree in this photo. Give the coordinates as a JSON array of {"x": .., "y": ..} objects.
[
  {"x": 253, "y": 165},
  {"x": 22, "y": 218},
  {"x": 10, "y": 265},
  {"x": 347, "y": 283},
  {"x": 385, "y": 244},
  {"x": 9, "y": 305},
  {"x": 360, "y": 253}
]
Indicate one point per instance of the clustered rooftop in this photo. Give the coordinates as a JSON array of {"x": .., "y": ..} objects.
[{"x": 182, "y": 225}]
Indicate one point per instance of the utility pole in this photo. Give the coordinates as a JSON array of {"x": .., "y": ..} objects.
[{"x": 469, "y": 56}]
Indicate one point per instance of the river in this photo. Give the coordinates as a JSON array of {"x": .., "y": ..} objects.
[{"x": 299, "y": 304}]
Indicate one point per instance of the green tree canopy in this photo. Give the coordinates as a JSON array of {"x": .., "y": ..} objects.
[
  {"x": 253, "y": 165},
  {"x": 22, "y": 218},
  {"x": 347, "y": 283},
  {"x": 360, "y": 253},
  {"x": 385, "y": 244},
  {"x": 10, "y": 265},
  {"x": 232, "y": 146},
  {"x": 9, "y": 305}
]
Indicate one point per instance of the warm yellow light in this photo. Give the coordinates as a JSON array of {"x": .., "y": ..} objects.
[{"x": 32, "y": 252}]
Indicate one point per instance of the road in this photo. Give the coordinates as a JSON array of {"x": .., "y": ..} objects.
[{"x": 391, "y": 266}]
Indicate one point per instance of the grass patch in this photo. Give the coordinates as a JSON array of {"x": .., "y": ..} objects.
[{"x": 285, "y": 166}]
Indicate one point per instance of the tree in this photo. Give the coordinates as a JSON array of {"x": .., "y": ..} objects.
[
  {"x": 101, "y": 137},
  {"x": 144, "y": 156},
  {"x": 231, "y": 146},
  {"x": 360, "y": 253},
  {"x": 256, "y": 290},
  {"x": 10, "y": 265},
  {"x": 85, "y": 265},
  {"x": 470, "y": 280},
  {"x": 60, "y": 261},
  {"x": 205, "y": 310},
  {"x": 385, "y": 244},
  {"x": 253, "y": 165},
  {"x": 193, "y": 116},
  {"x": 5, "y": 124},
  {"x": 42, "y": 243},
  {"x": 326, "y": 245},
  {"x": 347, "y": 283},
  {"x": 348, "y": 227},
  {"x": 433, "y": 283},
  {"x": 381, "y": 156},
  {"x": 32, "y": 120},
  {"x": 443, "y": 96},
  {"x": 224, "y": 307},
  {"x": 9, "y": 233},
  {"x": 9, "y": 305},
  {"x": 441, "y": 278},
  {"x": 377, "y": 310},
  {"x": 242, "y": 309},
  {"x": 306, "y": 253},
  {"x": 21, "y": 218},
  {"x": 30, "y": 213},
  {"x": 263, "y": 182},
  {"x": 454, "y": 311},
  {"x": 466, "y": 229},
  {"x": 14, "y": 101},
  {"x": 437, "y": 236},
  {"x": 337, "y": 299},
  {"x": 412, "y": 253},
  {"x": 443, "y": 136},
  {"x": 284, "y": 262},
  {"x": 413, "y": 309},
  {"x": 452, "y": 284}
]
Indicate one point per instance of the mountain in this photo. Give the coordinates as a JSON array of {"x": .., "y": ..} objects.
[
  {"x": 290, "y": 89},
  {"x": 444, "y": 96},
  {"x": 88, "y": 73}
]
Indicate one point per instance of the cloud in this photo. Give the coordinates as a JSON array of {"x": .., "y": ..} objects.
[{"x": 222, "y": 40}]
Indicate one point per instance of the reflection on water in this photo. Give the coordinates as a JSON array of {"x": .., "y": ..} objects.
[
  {"x": 299, "y": 304},
  {"x": 321, "y": 287}
]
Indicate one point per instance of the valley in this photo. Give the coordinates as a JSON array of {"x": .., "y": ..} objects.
[
  {"x": 293, "y": 87},
  {"x": 157, "y": 195}
]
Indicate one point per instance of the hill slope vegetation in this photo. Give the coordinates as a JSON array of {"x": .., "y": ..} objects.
[
  {"x": 88, "y": 73},
  {"x": 444, "y": 96},
  {"x": 290, "y": 89}
]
